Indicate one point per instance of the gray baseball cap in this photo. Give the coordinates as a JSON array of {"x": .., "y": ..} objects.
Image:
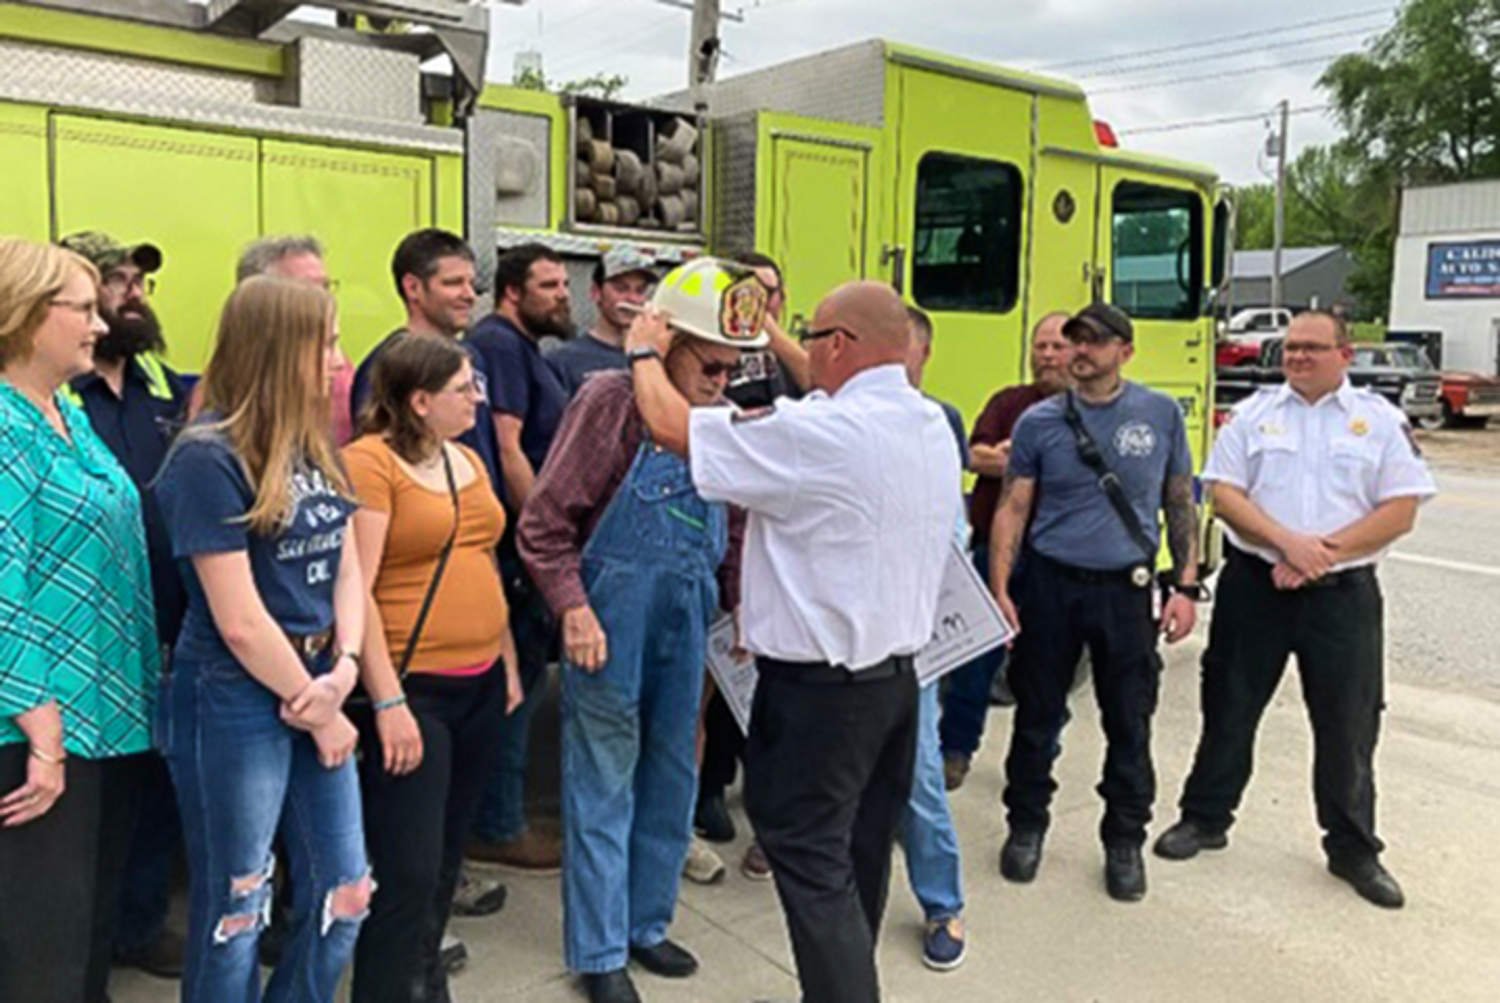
[{"x": 622, "y": 259}]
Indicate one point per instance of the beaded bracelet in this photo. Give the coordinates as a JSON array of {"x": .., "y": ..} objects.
[{"x": 390, "y": 703}]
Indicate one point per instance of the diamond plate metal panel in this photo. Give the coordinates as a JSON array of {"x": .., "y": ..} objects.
[
  {"x": 47, "y": 75},
  {"x": 734, "y": 164},
  {"x": 845, "y": 85},
  {"x": 515, "y": 148},
  {"x": 356, "y": 80}
]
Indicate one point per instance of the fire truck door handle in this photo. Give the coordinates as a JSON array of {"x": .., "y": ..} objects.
[
  {"x": 1094, "y": 276},
  {"x": 894, "y": 255}
]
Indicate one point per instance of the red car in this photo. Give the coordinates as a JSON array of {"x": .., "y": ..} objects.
[{"x": 1469, "y": 401}]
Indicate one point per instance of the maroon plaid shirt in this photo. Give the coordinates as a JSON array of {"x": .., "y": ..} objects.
[{"x": 595, "y": 444}]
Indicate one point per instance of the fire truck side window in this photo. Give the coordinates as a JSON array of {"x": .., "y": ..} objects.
[
  {"x": 966, "y": 249},
  {"x": 1157, "y": 251}
]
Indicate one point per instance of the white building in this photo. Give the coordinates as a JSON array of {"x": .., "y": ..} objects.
[{"x": 1447, "y": 274}]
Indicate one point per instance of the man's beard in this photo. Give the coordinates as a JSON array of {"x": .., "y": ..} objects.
[
  {"x": 129, "y": 334},
  {"x": 558, "y": 323}
]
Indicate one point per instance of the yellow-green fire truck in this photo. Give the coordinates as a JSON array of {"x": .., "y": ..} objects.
[{"x": 984, "y": 194}]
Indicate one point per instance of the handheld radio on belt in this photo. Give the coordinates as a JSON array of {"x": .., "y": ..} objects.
[{"x": 1109, "y": 482}]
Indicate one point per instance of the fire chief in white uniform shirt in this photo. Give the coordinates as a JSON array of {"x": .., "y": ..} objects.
[{"x": 852, "y": 508}]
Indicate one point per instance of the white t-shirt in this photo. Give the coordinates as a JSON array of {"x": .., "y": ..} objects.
[
  {"x": 852, "y": 509},
  {"x": 1316, "y": 468}
]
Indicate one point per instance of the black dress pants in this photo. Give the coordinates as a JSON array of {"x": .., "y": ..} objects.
[
  {"x": 828, "y": 771},
  {"x": 1334, "y": 629},
  {"x": 1061, "y": 614},
  {"x": 415, "y": 829},
  {"x": 60, "y": 880},
  {"x": 723, "y": 747}
]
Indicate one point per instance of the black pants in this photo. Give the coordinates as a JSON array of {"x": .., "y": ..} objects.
[
  {"x": 723, "y": 747},
  {"x": 1335, "y": 631},
  {"x": 828, "y": 771},
  {"x": 60, "y": 881},
  {"x": 415, "y": 828},
  {"x": 1060, "y": 615}
]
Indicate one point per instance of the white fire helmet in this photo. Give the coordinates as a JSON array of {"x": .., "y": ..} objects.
[{"x": 716, "y": 300}]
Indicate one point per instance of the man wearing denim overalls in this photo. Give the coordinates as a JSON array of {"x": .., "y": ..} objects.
[{"x": 636, "y": 565}]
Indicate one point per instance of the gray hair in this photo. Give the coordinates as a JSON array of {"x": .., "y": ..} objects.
[{"x": 264, "y": 254}]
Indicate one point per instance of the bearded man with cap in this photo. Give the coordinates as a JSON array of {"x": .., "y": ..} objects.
[
  {"x": 635, "y": 564},
  {"x": 135, "y": 402},
  {"x": 1072, "y": 563}
]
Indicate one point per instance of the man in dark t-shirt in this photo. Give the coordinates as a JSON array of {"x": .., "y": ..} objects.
[
  {"x": 623, "y": 280},
  {"x": 966, "y": 698}
]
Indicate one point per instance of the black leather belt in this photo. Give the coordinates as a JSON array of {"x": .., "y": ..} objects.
[
  {"x": 1331, "y": 580},
  {"x": 823, "y": 673},
  {"x": 310, "y": 646},
  {"x": 1136, "y": 576}
]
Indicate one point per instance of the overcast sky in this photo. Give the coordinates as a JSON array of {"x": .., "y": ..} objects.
[{"x": 647, "y": 42}]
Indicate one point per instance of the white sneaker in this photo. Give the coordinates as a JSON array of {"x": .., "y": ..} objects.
[{"x": 703, "y": 866}]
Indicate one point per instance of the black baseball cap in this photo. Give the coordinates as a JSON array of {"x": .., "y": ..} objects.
[{"x": 1100, "y": 320}]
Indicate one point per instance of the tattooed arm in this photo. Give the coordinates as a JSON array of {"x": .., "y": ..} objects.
[
  {"x": 1182, "y": 527},
  {"x": 1006, "y": 533}
]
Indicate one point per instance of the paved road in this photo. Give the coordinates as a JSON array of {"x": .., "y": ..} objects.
[{"x": 1259, "y": 922}]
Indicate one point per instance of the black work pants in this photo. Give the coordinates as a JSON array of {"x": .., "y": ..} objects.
[
  {"x": 828, "y": 771},
  {"x": 1060, "y": 615},
  {"x": 415, "y": 829},
  {"x": 60, "y": 880},
  {"x": 1334, "y": 629},
  {"x": 723, "y": 747}
]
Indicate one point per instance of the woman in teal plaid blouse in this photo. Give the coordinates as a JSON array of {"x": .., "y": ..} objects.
[{"x": 78, "y": 650}]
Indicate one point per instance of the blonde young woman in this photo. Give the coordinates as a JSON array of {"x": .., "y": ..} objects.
[
  {"x": 78, "y": 650},
  {"x": 252, "y": 725},
  {"x": 440, "y": 665}
]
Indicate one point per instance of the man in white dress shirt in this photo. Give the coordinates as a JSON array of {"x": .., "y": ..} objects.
[
  {"x": 852, "y": 508},
  {"x": 1314, "y": 481}
]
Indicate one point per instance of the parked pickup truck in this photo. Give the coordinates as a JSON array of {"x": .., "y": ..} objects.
[
  {"x": 1468, "y": 400},
  {"x": 1402, "y": 374}
]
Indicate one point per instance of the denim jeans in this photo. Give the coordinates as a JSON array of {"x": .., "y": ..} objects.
[
  {"x": 629, "y": 731},
  {"x": 242, "y": 775},
  {"x": 927, "y": 834},
  {"x": 966, "y": 690},
  {"x": 502, "y": 807}
]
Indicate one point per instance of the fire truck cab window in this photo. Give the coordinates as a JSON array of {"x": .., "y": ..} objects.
[
  {"x": 966, "y": 249},
  {"x": 1157, "y": 251}
]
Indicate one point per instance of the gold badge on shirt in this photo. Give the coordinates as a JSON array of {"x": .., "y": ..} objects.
[{"x": 1359, "y": 426}]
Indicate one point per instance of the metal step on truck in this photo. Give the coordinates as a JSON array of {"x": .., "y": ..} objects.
[{"x": 988, "y": 196}]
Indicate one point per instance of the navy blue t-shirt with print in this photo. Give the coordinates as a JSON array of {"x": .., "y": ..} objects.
[
  {"x": 1144, "y": 440},
  {"x": 576, "y": 360},
  {"x": 521, "y": 383},
  {"x": 204, "y": 494}
]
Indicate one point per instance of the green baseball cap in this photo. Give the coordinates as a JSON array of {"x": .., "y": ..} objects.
[{"x": 107, "y": 253}]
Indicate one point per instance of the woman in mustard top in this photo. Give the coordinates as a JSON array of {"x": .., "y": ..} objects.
[
  {"x": 439, "y": 660},
  {"x": 78, "y": 649}
]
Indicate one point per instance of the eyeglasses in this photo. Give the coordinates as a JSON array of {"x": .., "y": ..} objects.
[
  {"x": 804, "y": 333},
  {"x": 1306, "y": 348},
  {"x": 88, "y": 308},
  {"x": 121, "y": 283},
  {"x": 466, "y": 389},
  {"x": 712, "y": 369}
]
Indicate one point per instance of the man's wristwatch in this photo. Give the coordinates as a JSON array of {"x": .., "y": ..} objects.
[
  {"x": 1193, "y": 591},
  {"x": 642, "y": 353}
]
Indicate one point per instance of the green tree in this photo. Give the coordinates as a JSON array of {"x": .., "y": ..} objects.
[{"x": 600, "y": 85}]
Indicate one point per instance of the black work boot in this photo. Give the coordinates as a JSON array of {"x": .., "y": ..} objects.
[
  {"x": 1021, "y": 855},
  {"x": 1185, "y": 839},
  {"x": 1124, "y": 873}
]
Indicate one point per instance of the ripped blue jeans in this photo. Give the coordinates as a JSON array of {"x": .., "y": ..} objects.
[{"x": 242, "y": 776}]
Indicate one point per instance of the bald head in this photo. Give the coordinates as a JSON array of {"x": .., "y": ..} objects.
[{"x": 868, "y": 326}]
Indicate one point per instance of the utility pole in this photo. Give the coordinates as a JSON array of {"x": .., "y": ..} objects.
[
  {"x": 1280, "y": 231},
  {"x": 703, "y": 45}
]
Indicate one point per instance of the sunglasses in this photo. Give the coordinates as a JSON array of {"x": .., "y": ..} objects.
[
  {"x": 805, "y": 333},
  {"x": 711, "y": 369}
]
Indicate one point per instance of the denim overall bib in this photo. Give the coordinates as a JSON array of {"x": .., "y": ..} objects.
[{"x": 629, "y": 772}]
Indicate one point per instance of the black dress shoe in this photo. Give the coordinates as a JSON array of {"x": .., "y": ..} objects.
[
  {"x": 1185, "y": 839},
  {"x": 1124, "y": 873},
  {"x": 711, "y": 819},
  {"x": 1373, "y": 882},
  {"x": 611, "y": 987},
  {"x": 666, "y": 959},
  {"x": 1021, "y": 856}
]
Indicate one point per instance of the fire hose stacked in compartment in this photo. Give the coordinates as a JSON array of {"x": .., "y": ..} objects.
[{"x": 614, "y": 186}]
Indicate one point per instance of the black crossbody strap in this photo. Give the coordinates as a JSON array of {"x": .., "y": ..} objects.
[
  {"x": 437, "y": 572},
  {"x": 1093, "y": 458}
]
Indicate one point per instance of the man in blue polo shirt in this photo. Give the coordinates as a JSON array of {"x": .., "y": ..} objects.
[
  {"x": 527, "y": 400},
  {"x": 135, "y": 403}
]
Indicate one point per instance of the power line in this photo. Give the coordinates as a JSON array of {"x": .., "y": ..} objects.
[
  {"x": 1205, "y": 123},
  {"x": 649, "y": 29},
  {"x": 1261, "y": 32},
  {"x": 1248, "y": 50},
  {"x": 1221, "y": 74}
]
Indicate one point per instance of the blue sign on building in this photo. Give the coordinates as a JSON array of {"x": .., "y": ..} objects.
[{"x": 1466, "y": 270}]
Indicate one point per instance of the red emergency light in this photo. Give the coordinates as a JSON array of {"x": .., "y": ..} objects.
[{"x": 1104, "y": 134}]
